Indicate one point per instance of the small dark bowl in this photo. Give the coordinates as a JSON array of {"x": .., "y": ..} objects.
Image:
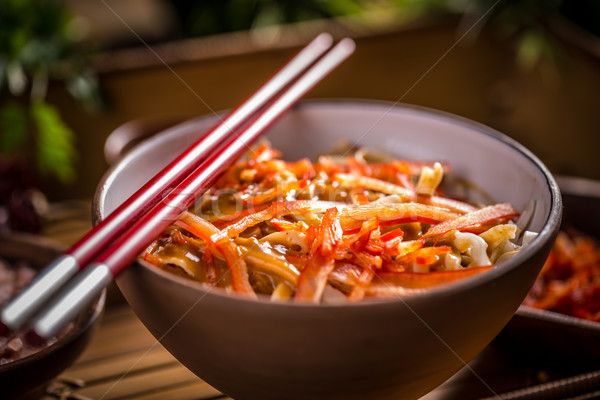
[
  {"x": 28, "y": 377},
  {"x": 550, "y": 338}
]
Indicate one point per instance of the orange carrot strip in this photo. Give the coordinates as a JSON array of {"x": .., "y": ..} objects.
[
  {"x": 474, "y": 219},
  {"x": 393, "y": 234},
  {"x": 352, "y": 217},
  {"x": 285, "y": 225},
  {"x": 237, "y": 266},
  {"x": 313, "y": 278},
  {"x": 275, "y": 209},
  {"x": 404, "y": 193},
  {"x": 422, "y": 256}
]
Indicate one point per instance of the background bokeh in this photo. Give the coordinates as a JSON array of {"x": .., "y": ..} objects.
[{"x": 530, "y": 69}]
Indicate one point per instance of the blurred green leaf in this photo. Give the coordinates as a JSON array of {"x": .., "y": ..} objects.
[
  {"x": 38, "y": 44},
  {"x": 530, "y": 49},
  {"x": 13, "y": 128},
  {"x": 54, "y": 140}
]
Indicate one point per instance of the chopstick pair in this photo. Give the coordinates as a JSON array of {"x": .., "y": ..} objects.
[{"x": 73, "y": 280}]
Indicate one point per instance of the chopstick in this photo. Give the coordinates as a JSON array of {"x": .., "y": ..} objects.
[
  {"x": 16, "y": 313},
  {"x": 88, "y": 284}
]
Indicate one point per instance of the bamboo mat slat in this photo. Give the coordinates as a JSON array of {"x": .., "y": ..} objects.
[
  {"x": 193, "y": 390},
  {"x": 132, "y": 338},
  {"x": 132, "y": 384},
  {"x": 116, "y": 366},
  {"x": 124, "y": 361}
]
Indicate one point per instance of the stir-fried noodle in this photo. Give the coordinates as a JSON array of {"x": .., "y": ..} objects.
[{"x": 341, "y": 228}]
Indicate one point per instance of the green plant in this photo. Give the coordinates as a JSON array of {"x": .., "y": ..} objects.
[
  {"x": 210, "y": 17},
  {"x": 39, "y": 43},
  {"x": 526, "y": 22}
]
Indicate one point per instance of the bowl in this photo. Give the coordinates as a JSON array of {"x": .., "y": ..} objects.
[
  {"x": 393, "y": 349},
  {"x": 27, "y": 377}
]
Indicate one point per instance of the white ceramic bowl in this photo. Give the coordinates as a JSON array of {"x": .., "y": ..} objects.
[{"x": 396, "y": 349}]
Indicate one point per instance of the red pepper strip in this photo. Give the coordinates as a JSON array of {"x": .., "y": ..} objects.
[
  {"x": 352, "y": 217},
  {"x": 474, "y": 219},
  {"x": 365, "y": 230},
  {"x": 392, "y": 234},
  {"x": 237, "y": 266},
  {"x": 415, "y": 280},
  {"x": 393, "y": 246},
  {"x": 313, "y": 278},
  {"x": 285, "y": 225},
  {"x": 276, "y": 209},
  {"x": 404, "y": 248},
  {"x": 422, "y": 256},
  {"x": 330, "y": 233}
]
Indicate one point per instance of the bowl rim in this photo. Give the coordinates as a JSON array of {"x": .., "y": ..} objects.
[{"x": 546, "y": 234}]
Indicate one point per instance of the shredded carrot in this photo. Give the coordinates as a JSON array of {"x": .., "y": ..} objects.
[
  {"x": 341, "y": 223},
  {"x": 569, "y": 282}
]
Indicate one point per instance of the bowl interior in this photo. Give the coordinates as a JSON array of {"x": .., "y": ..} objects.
[{"x": 502, "y": 169}]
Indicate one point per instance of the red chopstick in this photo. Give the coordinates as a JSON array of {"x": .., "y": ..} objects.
[
  {"x": 30, "y": 300},
  {"x": 116, "y": 257}
]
